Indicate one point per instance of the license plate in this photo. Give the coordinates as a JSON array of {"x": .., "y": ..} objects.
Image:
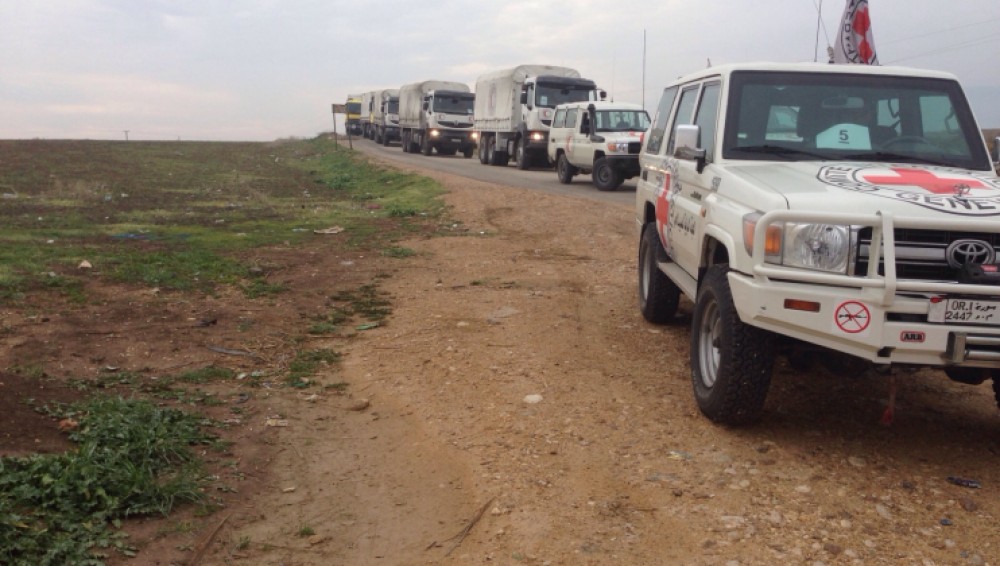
[{"x": 965, "y": 311}]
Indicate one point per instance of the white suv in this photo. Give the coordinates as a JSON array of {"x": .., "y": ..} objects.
[
  {"x": 599, "y": 137},
  {"x": 846, "y": 210}
]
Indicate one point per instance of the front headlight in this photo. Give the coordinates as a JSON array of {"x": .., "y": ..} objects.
[
  {"x": 618, "y": 147},
  {"x": 434, "y": 133},
  {"x": 822, "y": 247}
]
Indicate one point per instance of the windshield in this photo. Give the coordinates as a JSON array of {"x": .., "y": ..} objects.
[
  {"x": 809, "y": 116},
  {"x": 393, "y": 106},
  {"x": 622, "y": 120},
  {"x": 353, "y": 107},
  {"x": 548, "y": 96},
  {"x": 453, "y": 104}
]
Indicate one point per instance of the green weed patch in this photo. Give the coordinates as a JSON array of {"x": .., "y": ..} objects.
[{"x": 132, "y": 458}]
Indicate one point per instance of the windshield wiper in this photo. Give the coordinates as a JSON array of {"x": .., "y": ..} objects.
[
  {"x": 781, "y": 151},
  {"x": 895, "y": 157}
]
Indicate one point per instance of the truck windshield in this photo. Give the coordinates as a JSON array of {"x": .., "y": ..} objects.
[
  {"x": 393, "y": 106},
  {"x": 827, "y": 116},
  {"x": 453, "y": 104},
  {"x": 622, "y": 120},
  {"x": 354, "y": 108},
  {"x": 548, "y": 96}
]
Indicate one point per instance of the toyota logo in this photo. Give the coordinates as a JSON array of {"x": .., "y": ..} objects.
[{"x": 969, "y": 252}]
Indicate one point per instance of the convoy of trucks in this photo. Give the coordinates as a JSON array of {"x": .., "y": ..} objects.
[
  {"x": 436, "y": 115},
  {"x": 385, "y": 116}
]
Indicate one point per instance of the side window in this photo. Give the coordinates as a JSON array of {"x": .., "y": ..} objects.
[
  {"x": 708, "y": 117},
  {"x": 560, "y": 118},
  {"x": 659, "y": 125},
  {"x": 684, "y": 114},
  {"x": 571, "y": 117}
]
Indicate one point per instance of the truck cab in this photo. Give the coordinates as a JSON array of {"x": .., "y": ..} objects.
[
  {"x": 352, "y": 119},
  {"x": 447, "y": 121}
]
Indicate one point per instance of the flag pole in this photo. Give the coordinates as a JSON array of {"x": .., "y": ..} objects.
[{"x": 819, "y": 21}]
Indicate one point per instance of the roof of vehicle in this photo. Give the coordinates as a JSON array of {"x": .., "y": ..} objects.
[
  {"x": 813, "y": 68},
  {"x": 601, "y": 105}
]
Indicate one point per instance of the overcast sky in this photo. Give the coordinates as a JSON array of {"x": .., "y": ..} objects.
[{"x": 268, "y": 69}]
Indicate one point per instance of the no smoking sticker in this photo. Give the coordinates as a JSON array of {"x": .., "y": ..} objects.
[{"x": 852, "y": 317}]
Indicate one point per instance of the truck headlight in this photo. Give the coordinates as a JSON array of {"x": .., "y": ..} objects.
[
  {"x": 618, "y": 147},
  {"x": 824, "y": 247},
  {"x": 434, "y": 133}
]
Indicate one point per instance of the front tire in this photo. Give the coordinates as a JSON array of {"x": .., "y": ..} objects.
[
  {"x": 425, "y": 145},
  {"x": 564, "y": 170},
  {"x": 606, "y": 178},
  {"x": 658, "y": 295},
  {"x": 521, "y": 157},
  {"x": 731, "y": 362}
]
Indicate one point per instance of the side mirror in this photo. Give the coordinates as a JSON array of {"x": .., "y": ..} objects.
[
  {"x": 426, "y": 106},
  {"x": 686, "y": 145},
  {"x": 604, "y": 95},
  {"x": 996, "y": 149},
  {"x": 524, "y": 97}
]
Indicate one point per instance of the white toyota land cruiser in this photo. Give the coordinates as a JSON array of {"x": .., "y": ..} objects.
[
  {"x": 603, "y": 137},
  {"x": 806, "y": 207}
]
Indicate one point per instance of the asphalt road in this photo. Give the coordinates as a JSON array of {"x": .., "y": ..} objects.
[{"x": 536, "y": 178}]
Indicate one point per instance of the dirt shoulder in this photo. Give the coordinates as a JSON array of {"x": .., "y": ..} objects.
[{"x": 522, "y": 412}]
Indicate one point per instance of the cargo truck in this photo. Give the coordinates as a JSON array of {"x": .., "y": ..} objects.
[
  {"x": 436, "y": 115},
  {"x": 367, "y": 105},
  {"x": 514, "y": 109},
  {"x": 352, "y": 119},
  {"x": 385, "y": 116}
]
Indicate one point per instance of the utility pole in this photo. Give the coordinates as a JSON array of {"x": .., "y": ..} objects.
[
  {"x": 644, "y": 69},
  {"x": 126, "y": 134}
]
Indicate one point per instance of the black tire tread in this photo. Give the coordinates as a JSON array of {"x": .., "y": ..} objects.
[{"x": 746, "y": 358}]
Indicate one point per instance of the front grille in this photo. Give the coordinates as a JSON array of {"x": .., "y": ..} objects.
[
  {"x": 450, "y": 124},
  {"x": 633, "y": 147},
  {"x": 920, "y": 254}
]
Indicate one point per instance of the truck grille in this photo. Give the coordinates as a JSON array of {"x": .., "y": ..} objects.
[
  {"x": 450, "y": 124},
  {"x": 920, "y": 254}
]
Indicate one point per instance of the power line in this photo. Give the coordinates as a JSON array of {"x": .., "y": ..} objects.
[
  {"x": 946, "y": 30},
  {"x": 977, "y": 41}
]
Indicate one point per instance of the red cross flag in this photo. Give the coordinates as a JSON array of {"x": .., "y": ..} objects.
[{"x": 854, "y": 37}]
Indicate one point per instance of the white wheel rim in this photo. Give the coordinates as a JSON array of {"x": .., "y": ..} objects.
[{"x": 708, "y": 344}]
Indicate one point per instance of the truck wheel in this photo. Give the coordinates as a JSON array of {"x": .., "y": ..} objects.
[
  {"x": 491, "y": 151},
  {"x": 425, "y": 145},
  {"x": 385, "y": 139},
  {"x": 467, "y": 152},
  {"x": 968, "y": 376},
  {"x": 658, "y": 295},
  {"x": 482, "y": 150},
  {"x": 564, "y": 170},
  {"x": 731, "y": 362},
  {"x": 605, "y": 176},
  {"x": 521, "y": 157},
  {"x": 404, "y": 142}
]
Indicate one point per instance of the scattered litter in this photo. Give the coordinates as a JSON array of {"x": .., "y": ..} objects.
[
  {"x": 963, "y": 482},
  {"x": 366, "y": 326},
  {"x": 207, "y": 322},
  {"x": 275, "y": 421},
  {"x": 288, "y": 489},
  {"x": 311, "y": 398},
  {"x": 533, "y": 399},
  {"x": 330, "y": 230},
  {"x": 67, "y": 425},
  {"x": 9, "y": 196},
  {"x": 231, "y": 352},
  {"x": 678, "y": 455},
  {"x": 243, "y": 398},
  {"x": 85, "y": 265},
  {"x": 130, "y": 236},
  {"x": 946, "y": 522}
]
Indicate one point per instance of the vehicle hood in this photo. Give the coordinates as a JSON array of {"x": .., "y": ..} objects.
[{"x": 903, "y": 189}]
